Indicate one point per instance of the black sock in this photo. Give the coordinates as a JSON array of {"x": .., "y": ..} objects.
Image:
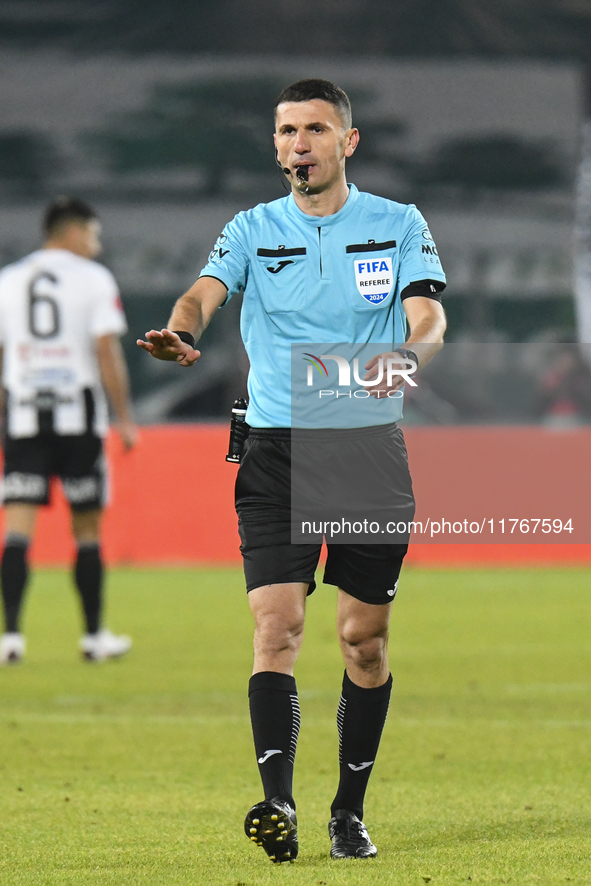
[
  {"x": 360, "y": 720},
  {"x": 14, "y": 572},
  {"x": 275, "y": 718},
  {"x": 88, "y": 575}
]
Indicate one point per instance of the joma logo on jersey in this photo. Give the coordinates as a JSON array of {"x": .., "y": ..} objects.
[
  {"x": 280, "y": 266},
  {"x": 374, "y": 278}
]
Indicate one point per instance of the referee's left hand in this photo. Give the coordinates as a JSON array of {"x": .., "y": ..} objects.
[
  {"x": 381, "y": 390},
  {"x": 166, "y": 345}
]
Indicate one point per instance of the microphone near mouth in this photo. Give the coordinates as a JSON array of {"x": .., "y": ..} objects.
[{"x": 284, "y": 169}]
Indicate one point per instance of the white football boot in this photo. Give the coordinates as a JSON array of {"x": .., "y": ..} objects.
[
  {"x": 12, "y": 648},
  {"x": 104, "y": 644}
]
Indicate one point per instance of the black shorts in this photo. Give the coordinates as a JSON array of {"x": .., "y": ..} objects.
[
  {"x": 78, "y": 460},
  {"x": 368, "y": 572}
]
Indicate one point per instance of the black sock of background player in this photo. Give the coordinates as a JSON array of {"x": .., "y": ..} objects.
[
  {"x": 275, "y": 718},
  {"x": 14, "y": 572},
  {"x": 88, "y": 575},
  {"x": 360, "y": 721}
]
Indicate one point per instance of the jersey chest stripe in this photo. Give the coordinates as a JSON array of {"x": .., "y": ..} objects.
[
  {"x": 371, "y": 247},
  {"x": 279, "y": 253}
]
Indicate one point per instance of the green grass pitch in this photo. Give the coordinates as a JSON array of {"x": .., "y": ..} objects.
[{"x": 140, "y": 771}]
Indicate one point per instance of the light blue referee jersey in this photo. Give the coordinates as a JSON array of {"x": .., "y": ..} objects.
[{"x": 307, "y": 279}]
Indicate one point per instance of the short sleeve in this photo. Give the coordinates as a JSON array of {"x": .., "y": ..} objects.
[
  {"x": 107, "y": 314},
  {"x": 419, "y": 259},
  {"x": 228, "y": 260}
]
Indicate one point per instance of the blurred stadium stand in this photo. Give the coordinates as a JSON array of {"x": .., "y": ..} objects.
[
  {"x": 158, "y": 115},
  {"x": 544, "y": 28}
]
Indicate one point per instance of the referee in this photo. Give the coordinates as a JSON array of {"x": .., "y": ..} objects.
[{"x": 300, "y": 263}]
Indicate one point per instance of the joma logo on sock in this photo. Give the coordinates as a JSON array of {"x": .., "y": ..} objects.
[
  {"x": 357, "y": 768},
  {"x": 268, "y": 754}
]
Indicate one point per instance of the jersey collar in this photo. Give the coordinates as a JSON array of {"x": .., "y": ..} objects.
[{"x": 325, "y": 221}]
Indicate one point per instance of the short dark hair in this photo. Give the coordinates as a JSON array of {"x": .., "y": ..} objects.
[
  {"x": 307, "y": 90},
  {"x": 63, "y": 211}
]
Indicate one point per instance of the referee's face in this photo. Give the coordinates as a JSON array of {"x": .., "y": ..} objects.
[{"x": 312, "y": 134}]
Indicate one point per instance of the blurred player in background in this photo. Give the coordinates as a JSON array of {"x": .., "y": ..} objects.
[{"x": 60, "y": 322}]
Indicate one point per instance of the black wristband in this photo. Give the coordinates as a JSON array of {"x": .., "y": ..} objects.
[
  {"x": 186, "y": 337},
  {"x": 407, "y": 354}
]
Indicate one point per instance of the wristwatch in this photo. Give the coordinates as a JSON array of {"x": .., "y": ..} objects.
[{"x": 407, "y": 354}]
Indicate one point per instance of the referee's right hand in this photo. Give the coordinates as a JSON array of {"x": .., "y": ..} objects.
[{"x": 166, "y": 345}]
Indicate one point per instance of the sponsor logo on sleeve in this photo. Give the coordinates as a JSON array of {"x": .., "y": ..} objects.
[
  {"x": 219, "y": 251},
  {"x": 428, "y": 249}
]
